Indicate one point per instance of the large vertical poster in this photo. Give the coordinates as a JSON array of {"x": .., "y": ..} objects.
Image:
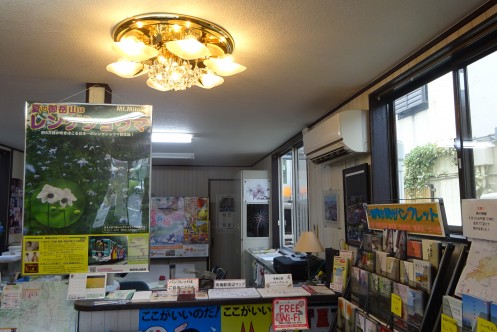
[
  {"x": 179, "y": 227},
  {"x": 87, "y": 180}
]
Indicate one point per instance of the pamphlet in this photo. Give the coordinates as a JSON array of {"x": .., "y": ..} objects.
[{"x": 84, "y": 286}]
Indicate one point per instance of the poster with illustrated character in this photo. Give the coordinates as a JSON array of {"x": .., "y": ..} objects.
[
  {"x": 179, "y": 227},
  {"x": 183, "y": 319},
  {"x": 87, "y": 188},
  {"x": 233, "y": 318}
]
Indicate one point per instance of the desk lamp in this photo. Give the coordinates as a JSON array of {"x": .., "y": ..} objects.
[{"x": 308, "y": 243}]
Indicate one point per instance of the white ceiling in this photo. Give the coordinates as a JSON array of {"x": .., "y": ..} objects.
[{"x": 303, "y": 58}]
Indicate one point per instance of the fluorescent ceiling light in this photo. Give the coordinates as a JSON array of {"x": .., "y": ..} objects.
[
  {"x": 171, "y": 138},
  {"x": 172, "y": 155}
]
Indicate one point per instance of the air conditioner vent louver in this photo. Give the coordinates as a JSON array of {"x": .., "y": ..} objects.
[
  {"x": 335, "y": 154},
  {"x": 341, "y": 135}
]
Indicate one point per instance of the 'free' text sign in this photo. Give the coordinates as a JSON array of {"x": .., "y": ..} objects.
[{"x": 290, "y": 313}]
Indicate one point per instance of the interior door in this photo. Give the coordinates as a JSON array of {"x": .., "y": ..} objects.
[{"x": 225, "y": 217}]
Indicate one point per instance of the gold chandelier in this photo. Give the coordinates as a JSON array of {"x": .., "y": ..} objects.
[{"x": 176, "y": 51}]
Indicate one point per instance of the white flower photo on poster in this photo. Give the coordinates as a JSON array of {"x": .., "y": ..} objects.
[
  {"x": 330, "y": 208},
  {"x": 256, "y": 190}
]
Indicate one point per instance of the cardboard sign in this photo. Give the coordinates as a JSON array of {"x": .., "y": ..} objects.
[
  {"x": 230, "y": 283},
  {"x": 396, "y": 306},
  {"x": 174, "y": 285},
  {"x": 479, "y": 218},
  {"x": 448, "y": 324},
  {"x": 290, "y": 314},
  {"x": 484, "y": 325},
  {"x": 415, "y": 218},
  {"x": 278, "y": 280}
]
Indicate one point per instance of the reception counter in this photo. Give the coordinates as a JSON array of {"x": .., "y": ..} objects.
[{"x": 231, "y": 314}]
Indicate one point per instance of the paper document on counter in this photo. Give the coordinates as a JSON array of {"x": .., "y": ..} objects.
[
  {"x": 283, "y": 292},
  {"x": 229, "y": 293}
]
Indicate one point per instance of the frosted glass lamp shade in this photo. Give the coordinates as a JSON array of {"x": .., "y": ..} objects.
[
  {"x": 224, "y": 66},
  {"x": 134, "y": 50},
  {"x": 189, "y": 48},
  {"x": 210, "y": 80},
  {"x": 125, "y": 68},
  {"x": 154, "y": 85}
]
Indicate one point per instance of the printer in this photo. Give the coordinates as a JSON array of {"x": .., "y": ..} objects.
[{"x": 296, "y": 264}]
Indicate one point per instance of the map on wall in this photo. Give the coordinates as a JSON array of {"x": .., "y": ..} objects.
[
  {"x": 179, "y": 227},
  {"x": 44, "y": 308},
  {"x": 479, "y": 276}
]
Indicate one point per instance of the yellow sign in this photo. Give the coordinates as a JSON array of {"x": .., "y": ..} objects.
[
  {"x": 449, "y": 324},
  {"x": 247, "y": 317},
  {"x": 419, "y": 218},
  {"x": 483, "y": 325},
  {"x": 396, "y": 307},
  {"x": 55, "y": 254}
]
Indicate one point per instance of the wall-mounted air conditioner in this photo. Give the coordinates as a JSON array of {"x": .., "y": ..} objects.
[{"x": 343, "y": 134}]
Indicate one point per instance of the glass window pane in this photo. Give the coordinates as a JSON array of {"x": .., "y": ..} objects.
[
  {"x": 293, "y": 196},
  {"x": 483, "y": 109},
  {"x": 425, "y": 148},
  {"x": 301, "y": 192},
  {"x": 286, "y": 208}
]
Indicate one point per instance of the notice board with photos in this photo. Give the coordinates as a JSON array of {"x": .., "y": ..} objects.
[{"x": 87, "y": 188}]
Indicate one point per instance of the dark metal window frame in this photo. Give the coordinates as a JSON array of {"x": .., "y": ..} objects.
[
  {"x": 455, "y": 57},
  {"x": 294, "y": 143}
]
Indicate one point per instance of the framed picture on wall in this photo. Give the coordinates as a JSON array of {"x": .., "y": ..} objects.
[
  {"x": 356, "y": 194},
  {"x": 331, "y": 203}
]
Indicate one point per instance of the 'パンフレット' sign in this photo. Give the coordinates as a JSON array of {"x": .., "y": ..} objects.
[{"x": 419, "y": 218}]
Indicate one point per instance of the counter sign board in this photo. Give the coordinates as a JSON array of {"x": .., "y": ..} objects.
[
  {"x": 290, "y": 314},
  {"x": 479, "y": 218}
]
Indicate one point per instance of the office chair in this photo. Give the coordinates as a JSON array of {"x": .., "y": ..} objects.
[
  {"x": 137, "y": 285},
  {"x": 220, "y": 272}
]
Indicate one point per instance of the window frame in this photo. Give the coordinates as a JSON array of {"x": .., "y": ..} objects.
[
  {"x": 455, "y": 57},
  {"x": 277, "y": 207}
]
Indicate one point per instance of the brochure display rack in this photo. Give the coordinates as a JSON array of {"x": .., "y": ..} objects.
[
  {"x": 403, "y": 268},
  {"x": 471, "y": 304}
]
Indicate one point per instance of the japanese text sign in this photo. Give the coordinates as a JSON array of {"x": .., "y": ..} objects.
[{"x": 416, "y": 218}]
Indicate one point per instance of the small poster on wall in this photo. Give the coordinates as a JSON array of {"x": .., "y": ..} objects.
[
  {"x": 87, "y": 180},
  {"x": 256, "y": 190},
  {"x": 257, "y": 220},
  {"x": 356, "y": 196},
  {"x": 330, "y": 208},
  {"x": 179, "y": 227},
  {"x": 225, "y": 216}
]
